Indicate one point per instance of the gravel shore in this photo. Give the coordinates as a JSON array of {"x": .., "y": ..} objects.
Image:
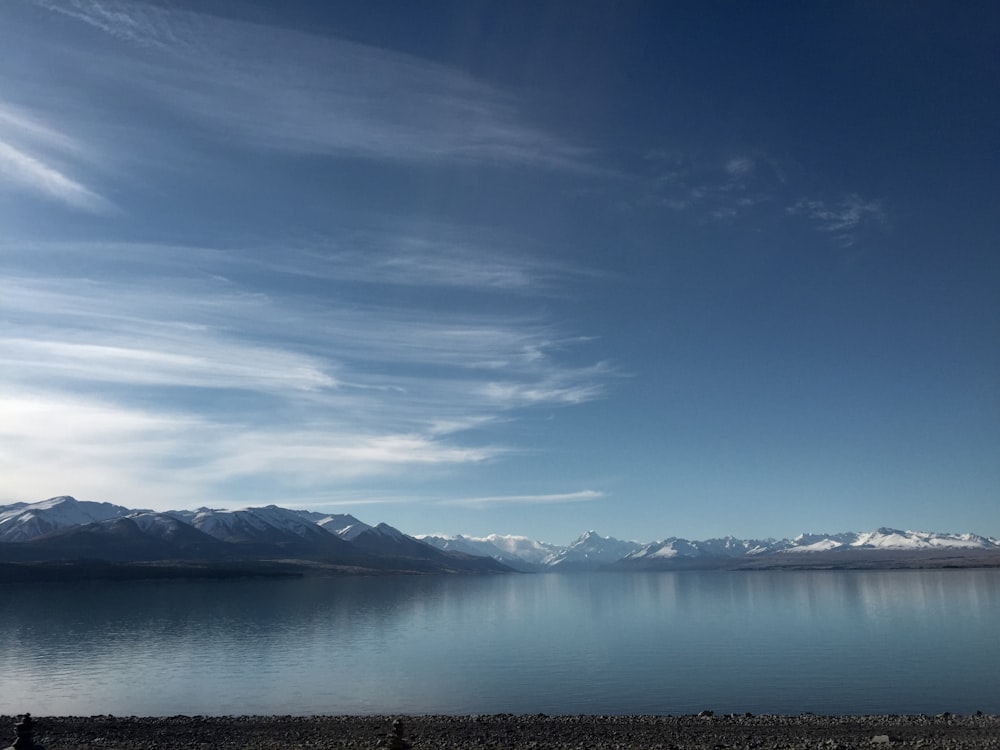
[{"x": 534, "y": 732}]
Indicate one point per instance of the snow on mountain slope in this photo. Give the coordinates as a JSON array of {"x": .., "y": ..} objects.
[
  {"x": 156, "y": 524},
  {"x": 22, "y": 522},
  {"x": 459, "y": 543},
  {"x": 479, "y": 547},
  {"x": 265, "y": 524},
  {"x": 529, "y": 550},
  {"x": 668, "y": 548},
  {"x": 343, "y": 525},
  {"x": 591, "y": 550},
  {"x": 818, "y": 542},
  {"x": 168, "y": 528},
  {"x": 880, "y": 539},
  {"x": 162, "y": 537},
  {"x": 675, "y": 547},
  {"x": 306, "y": 532},
  {"x": 821, "y": 545},
  {"x": 729, "y": 546},
  {"x": 888, "y": 539},
  {"x": 894, "y": 539},
  {"x": 385, "y": 530}
]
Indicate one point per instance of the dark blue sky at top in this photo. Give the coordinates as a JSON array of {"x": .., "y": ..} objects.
[{"x": 764, "y": 235}]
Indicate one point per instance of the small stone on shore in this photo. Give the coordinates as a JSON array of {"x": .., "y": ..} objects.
[{"x": 512, "y": 732}]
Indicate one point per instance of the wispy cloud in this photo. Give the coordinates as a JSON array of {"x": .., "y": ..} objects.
[
  {"x": 712, "y": 189},
  {"x": 192, "y": 361},
  {"x": 101, "y": 449},
  {"x": 133, "y": 22},
  {"x": 15, "y": 122},
  {"x": 436, "y": 256},
  {"x": 754, "y": 189},
  {"x": 275, "y": 368},
  {"x": 740, "y": 166},
  {"x": 841, "y": 218},
  {"x": 31, "y": 157},
  {"x": 189, "y": 379},
  {"x": 221, "y": 337},
  {"x": 279, "y": 89},
  {"x": 571, "y": 386},
  {"x": 22, "y": 171},
  {"x": 157, "y": 457},
  {"x": 566, "y": 497},
  {"x": 325, "y": 456},
  {"x": 441, "y": 258}
]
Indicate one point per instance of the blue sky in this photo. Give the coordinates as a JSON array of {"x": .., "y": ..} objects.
[{"x": 653, "y": 269}]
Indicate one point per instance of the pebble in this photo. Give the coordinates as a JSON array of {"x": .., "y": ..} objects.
[{"x": 515, "y": 732}]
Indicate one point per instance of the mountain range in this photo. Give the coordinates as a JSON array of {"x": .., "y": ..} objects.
[
  {"x": 883, "y": 547},
  {"x": 66, "y": 529},
  {"x": 63, "y": 529}
]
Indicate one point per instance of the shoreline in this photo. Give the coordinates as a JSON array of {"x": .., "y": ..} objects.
[{"x": 534, "y": 732}]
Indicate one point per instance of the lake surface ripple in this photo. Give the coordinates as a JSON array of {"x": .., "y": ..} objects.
[{"x": 662, "y": 643}]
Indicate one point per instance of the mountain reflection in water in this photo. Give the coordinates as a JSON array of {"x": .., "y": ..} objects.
[{"x": 785, "y": 642}]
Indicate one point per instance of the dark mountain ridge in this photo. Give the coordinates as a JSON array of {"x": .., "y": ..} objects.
[
  {"x": 50, "y": 532},
  {"x": 64, "y": 529}
]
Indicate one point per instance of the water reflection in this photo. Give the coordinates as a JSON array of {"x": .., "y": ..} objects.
[{"x": 825, "y": 641}]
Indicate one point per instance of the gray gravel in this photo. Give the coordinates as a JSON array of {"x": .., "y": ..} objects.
[{"x": 534, "y": 732}]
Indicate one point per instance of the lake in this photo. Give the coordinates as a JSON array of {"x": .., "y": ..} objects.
[{"x": 662, "y": 643}]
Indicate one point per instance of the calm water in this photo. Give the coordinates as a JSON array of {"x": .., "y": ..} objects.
[{"x": 827, "y": 642}]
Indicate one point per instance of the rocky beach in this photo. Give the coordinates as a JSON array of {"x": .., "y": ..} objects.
[{"x": 537, "y": 732}]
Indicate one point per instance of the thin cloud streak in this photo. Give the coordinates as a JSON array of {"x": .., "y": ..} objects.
[
  {"x": 202, "y": 317},
  {"x": 204, "y": 364},
  {"x": 112, "y": 451},
  {"x": 26, "y": 164},
  {"x": 460, "y": 258},
  {"x": 23, "y": 171},
  {"x": 16, "y": 123},
  {"x": 328, "y": 393},
  {"x": 102, "y": 449},
  {"x": 321, "y": 454},
  {"x": 570, "y": 386},
  {"x": 425, "y": 261},
  {"x": 367, "y": 102},
  {"x": 131, "y": 22}
]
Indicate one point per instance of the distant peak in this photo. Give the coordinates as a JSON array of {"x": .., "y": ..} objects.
[{"x": 888, "y": 531}]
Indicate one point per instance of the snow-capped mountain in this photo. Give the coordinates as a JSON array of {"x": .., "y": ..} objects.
[
  {"x": 590, "y": 551},
  {"x": 520, "y": 552},
  {"x": 383, "y": 541},
  {"x": 863, "y": 549},
  {"x": 343, "y": 525},
  {"x": 818, "y": 542},
  {"x": 64, "y": 528},
  {"x": 136, "y": 538},
  {"x": 890, "y": 539},
  {"x": 459, "y": 543},
  {"x": 724, "y": 547},
  {"x": 162, "y": 525},
  {"x": 249, "y": 525},
  {"x": 527, "y": 549},
  {"x": 22, "y": 522}
]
